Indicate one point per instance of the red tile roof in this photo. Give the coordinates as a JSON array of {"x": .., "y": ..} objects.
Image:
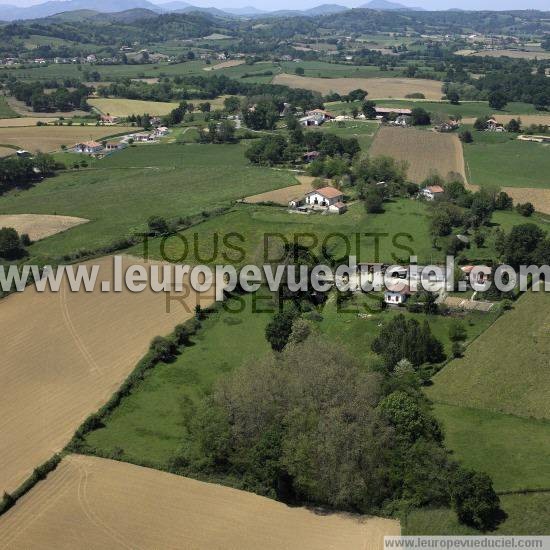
[
  {"x": 328, "y": 192},
  {"x": 435, "y": 188}
]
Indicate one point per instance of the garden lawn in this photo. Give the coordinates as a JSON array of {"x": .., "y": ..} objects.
[
  {"x": 363, "y": 130},
  {"x": 119, "y": 193}
]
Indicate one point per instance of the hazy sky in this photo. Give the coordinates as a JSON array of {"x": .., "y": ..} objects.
[{"x": 292, "y": 4}]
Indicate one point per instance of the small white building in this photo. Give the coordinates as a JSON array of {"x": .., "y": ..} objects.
[
  {"x": 88, "y": 147},
  {"x": 396, "y": 294},
  {"x": 432, "y": 192},
  {"x": 494, "y": 126},
  {"x": 328, "y": 198}
]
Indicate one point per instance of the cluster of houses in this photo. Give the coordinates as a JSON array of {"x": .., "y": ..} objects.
[
  {"x": 316, "y": 117},
  {"x": 327, "y": 200},
  {"x": 96, "y": 148}
]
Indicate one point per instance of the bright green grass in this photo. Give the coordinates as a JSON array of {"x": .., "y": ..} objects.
[
  {"x": 355, "y": 324},
  {"x": 401, "y": 219},
  {"x": 322, "y": 69},
  {"x": 148, "y": 425},
  {"x": 527, "y": 515},
  {"x": 108, "y": 72},
  {"x": 5, "y": 109},
  {"x": 444, "y": 109},
  {"x": 364, "y": 131},
  {"x": 513, "y": 451},
  {"x": 123, "y": 190},
  {"x": 405, "y": 223},
  {"x": 507, "y": 369},
  {"x": 501, "y": 160}
]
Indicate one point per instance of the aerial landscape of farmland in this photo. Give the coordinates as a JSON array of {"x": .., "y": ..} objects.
[{"x": 274, "y": 276}]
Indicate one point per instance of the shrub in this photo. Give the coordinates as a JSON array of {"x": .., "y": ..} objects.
[{"x": 163, "y": 349}]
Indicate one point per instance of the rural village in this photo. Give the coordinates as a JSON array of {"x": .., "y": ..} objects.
[{"x": 382, "y": 137}]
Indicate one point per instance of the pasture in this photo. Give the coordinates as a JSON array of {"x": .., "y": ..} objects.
[
  {"x": 119, "y": 193},
  {"x": 363, "y": 130},
  {"x": 5, "y": 110},
  {"x": 512, "y": 450},
  {"x": 502, "y": 160},
  {"x": 51, "y": 138},
  {"x": 97, "y": 498},
  {"x": 376, "y": 87},
  {"x": 426, "y": 152},
  {"x": 61, "y": 363},
  {"x": 39, "y": 226},
  {"x": 507, "y": 368},
  {"x": 126, "y": 107},
  {"x": 527, "y": 515},
  {"x": 403, "y": 231}
]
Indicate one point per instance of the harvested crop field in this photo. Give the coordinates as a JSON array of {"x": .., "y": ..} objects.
[
  {"x": 426, "y": 152},
  {"x": 224, "y": 65},
  {"x": 377, "y": 87},
  {"x": 540, "y": 198},
  {"x": 98, "y": 503},
  {"x": 39, "y": 226},
  {"x": 514, "y": 54},
  {"x": 23, "y": 121},
  {"x": 51, "y": 138},
  {"x": 6, "y": 151},
  {"x": 284, "y": 195},
  {"x": 64, "y": 354},
  {"x": 127, "y": 107}
]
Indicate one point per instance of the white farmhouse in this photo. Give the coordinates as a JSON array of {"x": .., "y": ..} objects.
[
  {"x": 432, "y": 192},
  {"x": 328, "y": 198},
  {"x": 396, "y": 294}
]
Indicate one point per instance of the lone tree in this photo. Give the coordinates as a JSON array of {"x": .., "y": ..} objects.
[{"x": 10, "y": 244}]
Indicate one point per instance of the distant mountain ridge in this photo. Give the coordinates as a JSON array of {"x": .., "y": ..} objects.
[
  {"x": 386, "y": 5},
  {"x": 10, "y": 12}
]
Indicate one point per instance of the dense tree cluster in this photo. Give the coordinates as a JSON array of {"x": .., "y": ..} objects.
[
  {"x": 20, "y": 172},
  {"x": 60, "y": 99}
]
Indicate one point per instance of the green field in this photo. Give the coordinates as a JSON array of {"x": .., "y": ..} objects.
[
  {"x": 108, "y": 72},
  {"x": 527, "y": 515},
  {"x": 323, "y": 69},
  {"x": 356, "y": 323},
  {"x": 444, "y": 109},
  {"x": 364, "y": 131},
  {"x": 119, "y": 193},
  {"x": 148, "y": 425},
  {"x": 5, "y": 109},
  {"x": 501, "y": 160},
  {"x": 507, "y": 368},
  {"x": 512, "y": 450},
  {"x": 404, "y": 223}
]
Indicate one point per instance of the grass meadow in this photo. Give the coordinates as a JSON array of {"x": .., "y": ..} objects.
[
  {"x": 119, "y": 193},
  {"x": 506, "y": 369},
  {"x": 5, "y": 110},
  {"x": 512, "y": 450},
  {"x": 527, "y": 515},
  {"x": 364, "y": 131},
  {"x": 502, "y": 160}
]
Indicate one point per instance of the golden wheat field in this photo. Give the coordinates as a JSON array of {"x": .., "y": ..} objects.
[
  {"x": 426, "y": 152},
  {"x": 23, "y": 121},
  {"x": 39, "y": 226},
  {"x": 51, "y": 138},
  {"x": 377, "y": 88},
  {"x": 515, "y": 54},
  {"x": 127, "y": 107},
  {"x": 284, "y": 195},
  {"x": 526, "y": 120},
  {"x": 6, "y": 151},
  {"x": 224, "y": 65},
  {"x": 539, "y": 198},
  {"x": 63, "y": 356},
  {"x": 95, "y": 503}
]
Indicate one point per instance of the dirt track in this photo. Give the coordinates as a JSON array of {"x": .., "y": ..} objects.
[
  {"x": 39, "y": 226},
  {"x": 63, "y": 355},
  {"x": 94, "y": 503}
]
